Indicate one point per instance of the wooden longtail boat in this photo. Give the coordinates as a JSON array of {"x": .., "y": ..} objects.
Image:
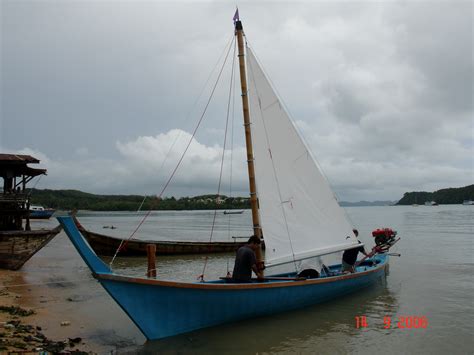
[
  {"x": 17, "y": 247},
  {"x": 18, "y": 243},
  {"x": 105, "y": 245},
  {"x": 297, "y": 210}
]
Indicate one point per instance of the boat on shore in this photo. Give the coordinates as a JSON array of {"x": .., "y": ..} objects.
[
  {"x": 17, "y": 247},
  {"x": 468, "y": 202},
  {"x": 106, "y": 245},
  {"x": 295, "y": 208},
  {"x": 431, "y": 203},
  {"x": 39, "y": 212},
  {"x": 18, "y": 242}
]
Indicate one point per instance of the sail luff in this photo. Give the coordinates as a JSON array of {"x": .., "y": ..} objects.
[{"x": 248, "y": 138}]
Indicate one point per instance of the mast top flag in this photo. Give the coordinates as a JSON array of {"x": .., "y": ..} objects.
[{"x": 236, "y": 16}]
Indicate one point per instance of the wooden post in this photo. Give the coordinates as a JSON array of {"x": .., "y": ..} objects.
[
  {"x": 27, "y": 223},
  {"x": 151, "y": 255},
  {"x": 248, "y": 140}
]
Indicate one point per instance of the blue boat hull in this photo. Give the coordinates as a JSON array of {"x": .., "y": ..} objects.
[
  {"x": 46, "y": 214},
  {"x": 162, "y": 308}
]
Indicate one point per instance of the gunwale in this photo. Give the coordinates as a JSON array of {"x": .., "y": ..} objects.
[{"x": 228, "y": 286}]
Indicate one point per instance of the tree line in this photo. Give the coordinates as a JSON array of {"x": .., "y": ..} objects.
[
  {"x": 444, "y": 196},
  {"x": 74, "y": 199}
]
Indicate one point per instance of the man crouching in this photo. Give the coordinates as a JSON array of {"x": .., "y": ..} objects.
[{"x": 246, "y": 261}]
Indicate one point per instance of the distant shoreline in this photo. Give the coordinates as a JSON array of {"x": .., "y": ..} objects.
[{"x": 74, "y": 199}]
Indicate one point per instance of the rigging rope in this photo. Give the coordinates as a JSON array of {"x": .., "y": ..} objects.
[
  {"x": 159, "y": 196},
  {"x": 34, "y": 186},
  {"x": 231, "y": 158},
  {"x": 190, "y": 112},
  {"x": 223, "y": 156},
  {"x": 140, "y": 207},
  {"x": 229, "y": 44}
]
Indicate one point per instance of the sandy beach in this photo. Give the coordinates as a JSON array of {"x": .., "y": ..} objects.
[
  {"x": 42, "y": 330},
  {"x": 67, "y": 303},
  {"x": 29, "y": 327}
]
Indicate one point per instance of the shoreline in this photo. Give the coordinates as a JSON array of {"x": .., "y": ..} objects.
[{"x": 67, "y": 302}]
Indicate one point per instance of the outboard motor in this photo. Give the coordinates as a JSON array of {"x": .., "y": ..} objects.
[{"x": 384, "y": 237}]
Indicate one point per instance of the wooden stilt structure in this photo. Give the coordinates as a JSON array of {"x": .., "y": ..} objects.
[{"x": 18, "y": 243}]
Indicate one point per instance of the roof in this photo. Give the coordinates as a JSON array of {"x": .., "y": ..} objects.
[
  {"x": 16, "y": 158},
  {"x": 16, "y": 165}
]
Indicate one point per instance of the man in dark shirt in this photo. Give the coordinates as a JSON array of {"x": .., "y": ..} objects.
[
  {"x": 246, "y": 261},
  {"x": 349, "y": 257}
]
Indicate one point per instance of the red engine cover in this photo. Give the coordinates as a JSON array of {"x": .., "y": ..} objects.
[{"x": 388, "y": 232}]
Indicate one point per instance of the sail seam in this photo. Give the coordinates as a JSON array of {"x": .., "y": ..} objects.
[{"x": 270, "y": 105}]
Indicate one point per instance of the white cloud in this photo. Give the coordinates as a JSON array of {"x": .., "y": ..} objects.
[{"x": 144, "y": 167}]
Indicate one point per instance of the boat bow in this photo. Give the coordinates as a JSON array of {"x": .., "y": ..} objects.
[{"x": 96, "y": 265}]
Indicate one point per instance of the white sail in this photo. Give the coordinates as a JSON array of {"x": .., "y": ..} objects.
[{"x": 299, "y": 214}]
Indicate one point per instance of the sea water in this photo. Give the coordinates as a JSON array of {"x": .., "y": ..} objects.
[{"x": 425, "y": 304}]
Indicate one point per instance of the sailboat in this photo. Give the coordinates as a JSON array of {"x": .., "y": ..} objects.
[{"x": 294, "y": 208}]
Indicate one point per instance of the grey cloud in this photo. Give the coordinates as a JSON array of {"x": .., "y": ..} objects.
[{"x": 381, "y": 90}]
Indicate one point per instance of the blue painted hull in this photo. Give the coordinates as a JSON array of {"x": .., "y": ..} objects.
[
  {"x": 46, "y": 214},
  {"x": 161, "y": 308},
  {"x": 161, "y": 311}
]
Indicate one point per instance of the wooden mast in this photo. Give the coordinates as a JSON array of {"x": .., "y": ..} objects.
[{"x": 248, "y": 139}]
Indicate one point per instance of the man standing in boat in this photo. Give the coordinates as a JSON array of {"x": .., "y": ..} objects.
[
  {"x": 246, "y": 261},
  {"x": 349, "y": 257}
]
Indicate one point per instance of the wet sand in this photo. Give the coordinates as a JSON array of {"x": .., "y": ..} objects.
[
  {"x": 35, "y": 332},
  {"x": 67, "y": 301}
]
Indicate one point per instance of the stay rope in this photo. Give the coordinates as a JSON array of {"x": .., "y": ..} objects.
[
  {"x": 159, "y": 196},
  {"x": 231, "y": 161},
  {"x": 34, "y": 187},
  {"x": 222, "y": 158},
  {"x": 189, "y": 115},
  {"x": 195, "y": 103}
]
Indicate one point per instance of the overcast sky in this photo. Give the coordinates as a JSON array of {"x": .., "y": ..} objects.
[{"x": 100, "y": 91}]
